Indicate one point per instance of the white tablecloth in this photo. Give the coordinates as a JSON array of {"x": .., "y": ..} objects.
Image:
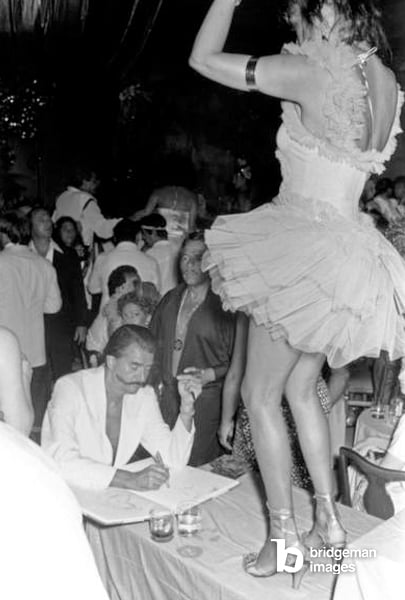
[
  {"x": 382, "y": 576},
  {"x": 367, "y": 426},
  {"x": 209, "y": 566}
]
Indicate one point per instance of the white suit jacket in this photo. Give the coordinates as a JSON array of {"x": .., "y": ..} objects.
[{"x": 74, "y": 430}]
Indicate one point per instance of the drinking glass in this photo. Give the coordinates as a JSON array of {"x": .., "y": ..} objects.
[
  {"x": 161, "y": 524},
  {"x": 188, "y": 519}
]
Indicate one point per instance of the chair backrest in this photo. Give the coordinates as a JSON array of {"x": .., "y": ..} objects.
[{"x": 376, "y": 499}]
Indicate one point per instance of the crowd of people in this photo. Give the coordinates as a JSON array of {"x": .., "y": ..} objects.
[
  {"x": 146, "y": 344},
  {"x": 64, "y": 318}
]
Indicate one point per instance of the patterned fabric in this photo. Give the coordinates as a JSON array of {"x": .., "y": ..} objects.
[{"x": 243, "y": 445}]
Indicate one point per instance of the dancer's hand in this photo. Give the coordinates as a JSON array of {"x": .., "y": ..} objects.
[{"x": 225, "y": 434}]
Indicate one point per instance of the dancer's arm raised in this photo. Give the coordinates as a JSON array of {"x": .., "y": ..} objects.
[{"x": 281, "y": 75}]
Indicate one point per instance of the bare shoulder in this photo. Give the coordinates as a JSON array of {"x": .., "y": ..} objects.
[{"x": 387, "y": 75}]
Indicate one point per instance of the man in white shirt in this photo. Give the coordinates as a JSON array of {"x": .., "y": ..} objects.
[
  {"x": 98, "y": 417},
  {"x": 165, "y": 252},
  {"x": 44, "y": 553},
  {"x": 79, "y": 203},
  {"x": 126, "y": 252},
  {"x": 29, "y": 289}
]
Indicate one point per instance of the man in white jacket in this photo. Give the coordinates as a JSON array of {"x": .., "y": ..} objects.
[{"x": 98, "y": 417}]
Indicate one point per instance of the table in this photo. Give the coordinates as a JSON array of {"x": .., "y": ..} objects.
[
  {"x": 367, "y": 427},
  {"x": 384, "y": 572},
  {"x": 208, "y": 566}
]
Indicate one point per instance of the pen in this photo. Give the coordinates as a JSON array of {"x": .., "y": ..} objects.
[{"x": 159, "y": 461}]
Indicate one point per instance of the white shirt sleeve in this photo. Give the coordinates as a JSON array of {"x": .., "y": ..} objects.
[
  {"x": 97, "y": 335},
  {"x": 158, "y": 277},
  {"x": 60, "y": 441},
  {"x": 93, "y": 220},
  {"x": 95, "y": 283},
  {"x": 174, "y": 445},
  {"x": 53, "y": 300}
]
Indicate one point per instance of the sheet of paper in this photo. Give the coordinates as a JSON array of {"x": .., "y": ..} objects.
[
  {"x": 114, "y": 506},
  {"x": 189, "y": 485}
]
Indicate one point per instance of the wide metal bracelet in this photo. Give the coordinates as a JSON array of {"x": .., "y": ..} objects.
[{"x": 250, "y": 76}]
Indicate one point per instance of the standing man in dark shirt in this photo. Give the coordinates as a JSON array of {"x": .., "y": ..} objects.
[{"x": 194, "y": 335}]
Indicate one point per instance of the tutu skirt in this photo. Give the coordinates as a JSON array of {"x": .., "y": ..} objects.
[{"x": 326, "y": 283}]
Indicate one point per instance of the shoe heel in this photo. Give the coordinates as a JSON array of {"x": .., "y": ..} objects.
[
  {"x": 299, "y": 575},
  {"x": 335, "y": 559}
]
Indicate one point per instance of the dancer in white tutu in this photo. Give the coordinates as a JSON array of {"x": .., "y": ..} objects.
[{"x": 311, "y": 271}]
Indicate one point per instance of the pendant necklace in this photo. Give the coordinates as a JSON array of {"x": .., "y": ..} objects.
[{"x": 183, "y": 318}]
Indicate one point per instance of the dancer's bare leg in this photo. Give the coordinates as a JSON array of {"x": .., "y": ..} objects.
[
  {"x": 310, "y": 419},
  {"x": 313, "y": 434},
  {"x": 269, "y": 365}
]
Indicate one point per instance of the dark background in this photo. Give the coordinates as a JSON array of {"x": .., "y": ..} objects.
[{"x": 177, "y": 128}]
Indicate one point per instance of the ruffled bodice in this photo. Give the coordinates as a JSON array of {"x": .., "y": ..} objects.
[{"x": 332, "y": 169}]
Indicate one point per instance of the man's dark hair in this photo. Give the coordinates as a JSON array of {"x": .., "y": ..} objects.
[
  {"x": 16, "y": 228},
  {"x": 81, "y": 174},
  {"x": 126, "y": 335},
  {"x": 156, "y": 223},
  {"x": 119, "y": 276},
  {"x": 195, "y": 236},
  {"x": 125, "y": 231}
]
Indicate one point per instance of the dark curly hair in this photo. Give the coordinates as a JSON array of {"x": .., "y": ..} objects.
[{"x": 362, "y": 16}]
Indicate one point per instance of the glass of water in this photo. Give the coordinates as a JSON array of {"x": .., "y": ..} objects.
[{"x": 188, "y": 519}]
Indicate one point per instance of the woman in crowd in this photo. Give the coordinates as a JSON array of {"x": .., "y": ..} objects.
[
  {"x": 121, "y": 281},
  {"x": 313, "y": 274},
  {"x": 137, "y": 307},
  {"x": 66, "y": 235}
]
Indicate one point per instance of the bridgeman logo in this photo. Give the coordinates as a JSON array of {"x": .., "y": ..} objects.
[
  {"x": 284, "y": 560},
  {"x": 291, "y": 559}
]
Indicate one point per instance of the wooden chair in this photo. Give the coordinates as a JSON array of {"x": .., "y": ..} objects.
[{"x": 376, "y": 499}]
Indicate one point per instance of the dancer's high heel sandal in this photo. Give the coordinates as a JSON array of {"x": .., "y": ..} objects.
[
  {"x": 282, "y": 526},
  {"x": 327, "y": 531}
]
